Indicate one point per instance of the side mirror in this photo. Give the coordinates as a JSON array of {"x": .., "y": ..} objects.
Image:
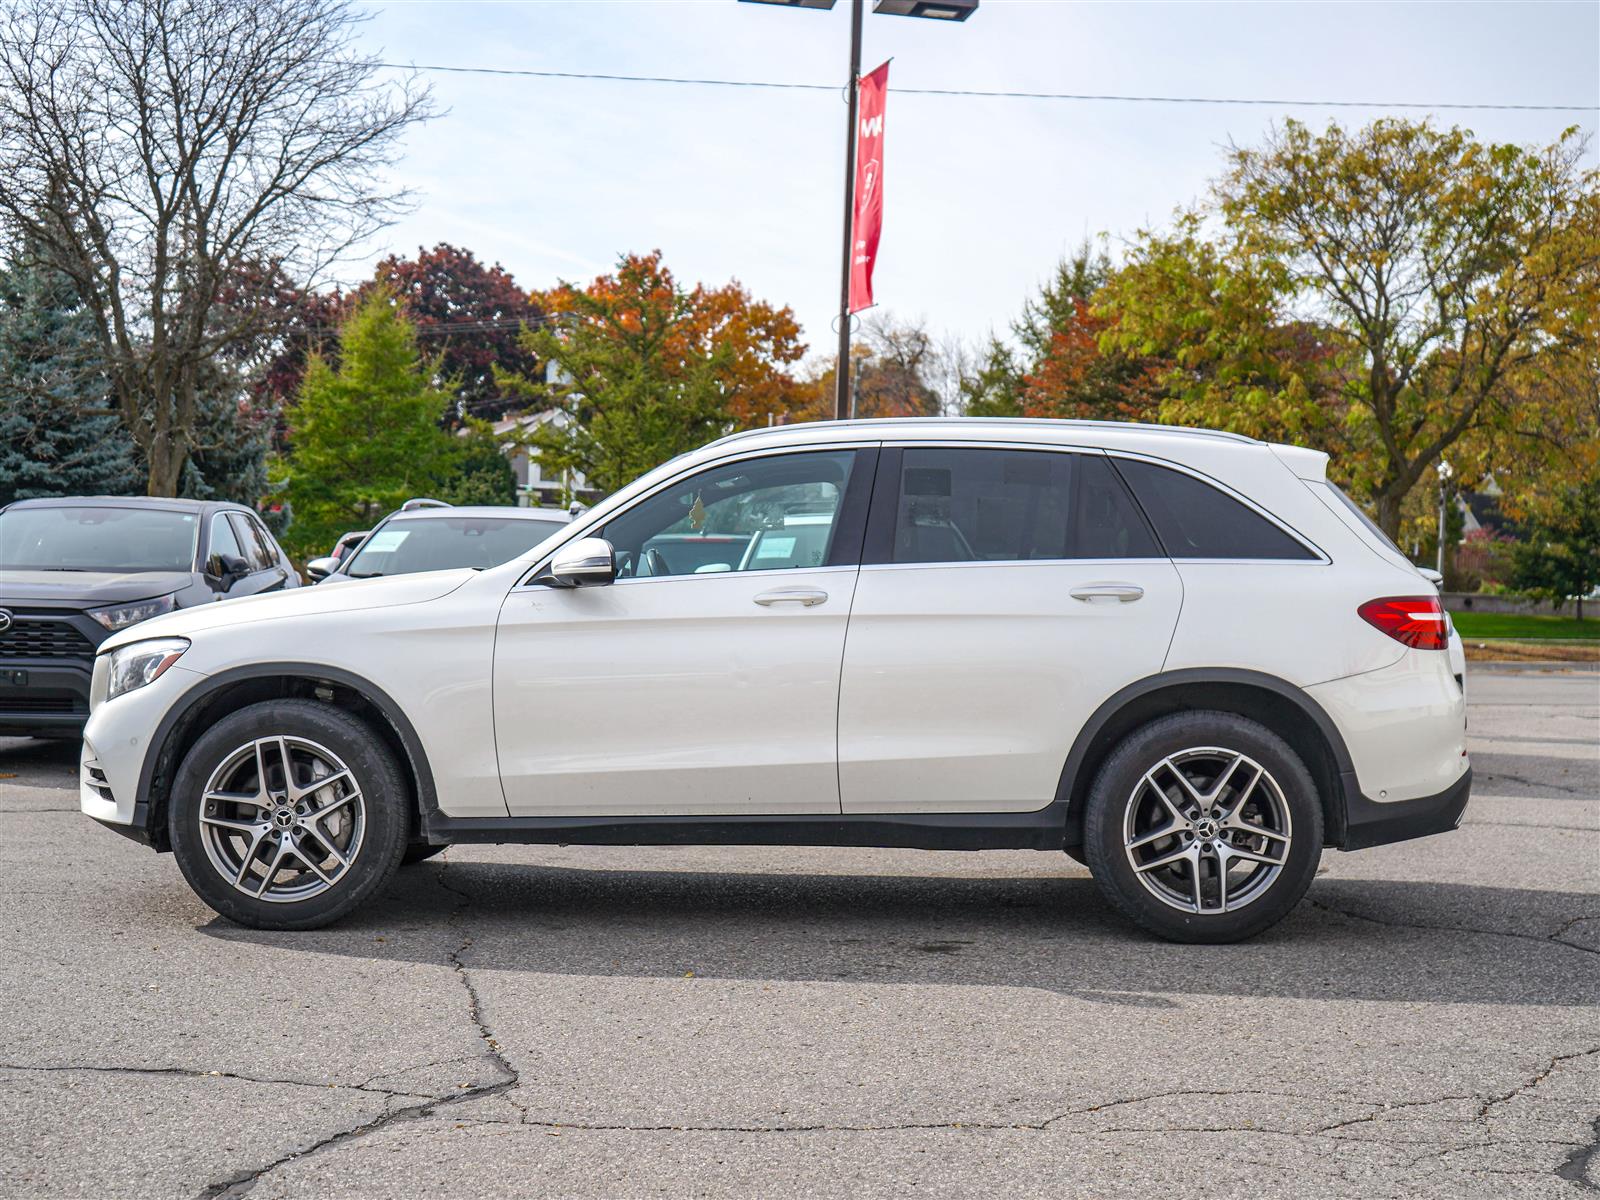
[
  {"x": 587, "y": 562},
  {"x": 229, "y": 569},
  {"x": 319, "y": 569}
]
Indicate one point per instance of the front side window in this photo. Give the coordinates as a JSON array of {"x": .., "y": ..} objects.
[
  {"x": 405, "y": 545},
  {"x": 85, "y": 538},
  {"x": 762, "y": 514},
  {"x": 223, "y": 545},
  {"x": 1196, "y": 520},
  {"x": 967, "y": 504}
]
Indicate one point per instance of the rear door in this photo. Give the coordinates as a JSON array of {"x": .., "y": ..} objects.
[{"x": 1004, "y": 594}]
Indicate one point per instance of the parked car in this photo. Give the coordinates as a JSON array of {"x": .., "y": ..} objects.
[
  {"x": 1175, "y": 655},
  {"x": 341, "y": 550},
  {"x": 75, "y": 571},
  {"x": 439, "y": 538}
]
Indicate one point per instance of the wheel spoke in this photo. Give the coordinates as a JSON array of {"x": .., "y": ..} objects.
[
  {"x": 327, "y": 842},
  {"x": 1161, "y": 795},
  {"x": 1194, "y": 880},
  {"x": 1256, "y": 830},
  {"x": 1252, "y": 856},
  {"x": 1183, "y": 781},
  {"x": 1212, "y": 796},
  {"x": 1222, "y": 879},
  {"x": 313, "y": 864},
  {"x": 254, "y": 799},
  {"x": 1154, "y": 836},
  {"x": 272, "y": 871},
  {"x": 1166, "y": 860},
  {"x": 252, "y": 828},
  {"x": 333, "y": 805},
  {"x": 249, "y": 857},
  {"x": 328, "y": 781}
]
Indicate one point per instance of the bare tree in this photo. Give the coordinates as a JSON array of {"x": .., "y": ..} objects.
[{"x": 156, "y": 150}]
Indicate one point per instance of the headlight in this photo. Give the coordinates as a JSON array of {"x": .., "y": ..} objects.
[
  {"x": 141, "y": 663},
  {"x": 120, "y": 616}
]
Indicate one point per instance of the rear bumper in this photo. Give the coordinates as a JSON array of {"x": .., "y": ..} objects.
[{"x": 1375, "y": 823}]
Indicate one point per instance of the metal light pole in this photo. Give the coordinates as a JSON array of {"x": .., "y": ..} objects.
[
  {"x": 937, "y": 10},
  {"x": 1445, "y": 472},
  {"x": 841, "y": 371}
]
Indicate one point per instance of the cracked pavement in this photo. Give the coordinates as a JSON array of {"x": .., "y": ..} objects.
[{"x": 513, "y": 1021}]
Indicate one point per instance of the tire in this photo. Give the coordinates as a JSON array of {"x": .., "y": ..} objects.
[
  {"x": 306, "y": 854},
  {"x": 1141, "y": 809},
  {"x": 420, "y": 852}
]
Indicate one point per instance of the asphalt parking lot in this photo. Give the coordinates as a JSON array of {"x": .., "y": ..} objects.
[{"x": 522, "y": 1021}]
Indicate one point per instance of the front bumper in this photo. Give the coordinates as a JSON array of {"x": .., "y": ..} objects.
[
  {"x": 54, "y": 702},
  {"x": 1371, "y": 823},
  {"x": 116, "y": 741}
]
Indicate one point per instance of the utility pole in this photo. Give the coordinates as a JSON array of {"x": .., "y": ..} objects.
[{"x": 841, "y": 373}]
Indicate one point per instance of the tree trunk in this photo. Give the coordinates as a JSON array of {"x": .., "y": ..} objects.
[
  {"x": 166, "y": 459},
  {"x": 1389, "y": 514}
]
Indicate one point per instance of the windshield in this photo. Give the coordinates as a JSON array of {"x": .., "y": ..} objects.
[
  {"x": 76, "y": 538},
  {"x": 402, "y": 546}
]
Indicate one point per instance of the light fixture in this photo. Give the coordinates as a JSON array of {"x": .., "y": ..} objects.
[{"x": 938, "y": 10}]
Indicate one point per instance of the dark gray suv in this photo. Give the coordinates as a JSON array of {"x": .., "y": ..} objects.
[{"x": 74, "y": 571}]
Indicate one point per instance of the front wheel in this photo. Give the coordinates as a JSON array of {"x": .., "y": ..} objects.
[
  {"x": 1203, "y": 827},
  {"x": 288, "y": 814}
]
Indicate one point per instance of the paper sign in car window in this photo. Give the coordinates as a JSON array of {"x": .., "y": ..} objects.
[
  {"x": 386, "y": 540},
  {"x": 775, "y": 547}
]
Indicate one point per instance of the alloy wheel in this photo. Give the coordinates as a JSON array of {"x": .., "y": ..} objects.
[
  {"x": 1207, "y": 830},
  {"x": 282, "y": 819}
]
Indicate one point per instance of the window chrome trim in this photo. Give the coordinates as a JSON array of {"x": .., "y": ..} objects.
[{"x": 599, "y": 516}]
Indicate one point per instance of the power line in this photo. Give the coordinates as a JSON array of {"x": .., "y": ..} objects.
[{"x": 905, "y": 91}]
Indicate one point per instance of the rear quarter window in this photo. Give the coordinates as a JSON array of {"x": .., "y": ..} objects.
[{"x": 1195, "y": 520}]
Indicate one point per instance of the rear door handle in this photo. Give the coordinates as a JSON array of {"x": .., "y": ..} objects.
[
  {"x": 792, "y": 595},
  {"x": 1124, "y": 593}
]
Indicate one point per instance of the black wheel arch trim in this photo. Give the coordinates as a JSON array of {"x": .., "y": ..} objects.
[
  {"x": 421, "y": 771},
  {"x": 1085, "y": 743}
]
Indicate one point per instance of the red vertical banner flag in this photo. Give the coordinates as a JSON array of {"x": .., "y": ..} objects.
[{"x": 866, "y": 221}]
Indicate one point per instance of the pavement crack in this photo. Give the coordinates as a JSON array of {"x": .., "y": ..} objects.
[
  {"x": 1545, "y": 1073},
  {"x": 1539, "y": 939},
  {"x": 242, "y": 1183},
  {"x": 194, "y": 1073}
]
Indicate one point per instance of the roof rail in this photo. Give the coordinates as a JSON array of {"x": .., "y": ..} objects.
[{"x": 1029, "y": 422}]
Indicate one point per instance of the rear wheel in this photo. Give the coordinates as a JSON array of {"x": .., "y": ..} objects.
[
  {"x": 1203, "y": 827},
  {"x": 288, "y": 814}
]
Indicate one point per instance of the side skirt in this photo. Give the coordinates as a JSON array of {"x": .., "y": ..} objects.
[{"x": 1040, "y": 830}]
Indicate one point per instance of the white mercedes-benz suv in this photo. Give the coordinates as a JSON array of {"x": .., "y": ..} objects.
[{"x": 1181, "y": 657}]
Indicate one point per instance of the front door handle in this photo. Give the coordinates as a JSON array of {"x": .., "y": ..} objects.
[
  {"x": 792, "y": 595},
  {"x": 1124, "y": 593}
]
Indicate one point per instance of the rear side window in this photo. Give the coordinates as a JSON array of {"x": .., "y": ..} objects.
[
  {"x": 254, "y": 539},
  {"x": 964, "y": 504},
  {"x": 1195, "y": 520}
]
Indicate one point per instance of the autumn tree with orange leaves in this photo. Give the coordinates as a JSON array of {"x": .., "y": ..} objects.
[{"x": 645, "y": 370}]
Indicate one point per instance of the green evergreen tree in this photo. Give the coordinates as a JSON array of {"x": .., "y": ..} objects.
[
  {"x": 56, "y": 437},
  {"x": 365, "y": 435}
]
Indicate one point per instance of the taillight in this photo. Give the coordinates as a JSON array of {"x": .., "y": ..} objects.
[{"x": 1418, "y": 621}]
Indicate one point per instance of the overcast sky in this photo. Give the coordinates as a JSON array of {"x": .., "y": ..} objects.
[{"x": 553, "y": 178}]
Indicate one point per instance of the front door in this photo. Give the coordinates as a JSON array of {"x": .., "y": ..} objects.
[
  {"x": 705, "y": 679},
  {"x": 1005, "y": 594}
]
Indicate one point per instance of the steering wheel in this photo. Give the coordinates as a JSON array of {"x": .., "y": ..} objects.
[{"x": 655, "y": 563}]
